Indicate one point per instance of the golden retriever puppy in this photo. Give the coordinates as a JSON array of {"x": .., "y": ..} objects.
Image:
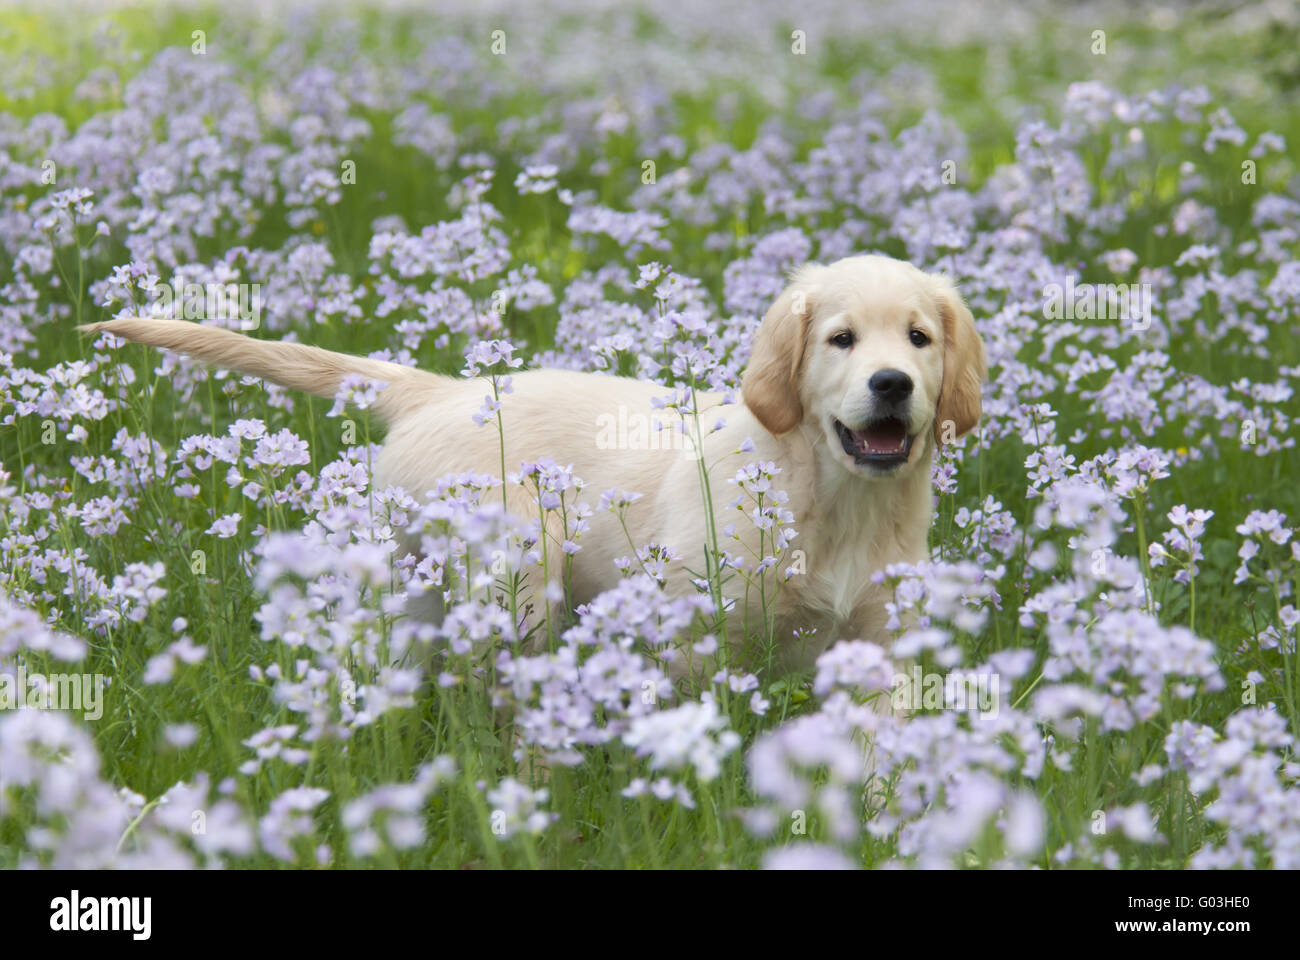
[{"x": 859, "y": 370}]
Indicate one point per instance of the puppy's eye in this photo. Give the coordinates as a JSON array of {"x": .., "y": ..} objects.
[
  {"x": 843, "y": 339},
  {"x": 918, "y": 338}
]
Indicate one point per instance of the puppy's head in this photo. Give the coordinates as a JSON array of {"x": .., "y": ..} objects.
[{"x": 878, "y": 355}]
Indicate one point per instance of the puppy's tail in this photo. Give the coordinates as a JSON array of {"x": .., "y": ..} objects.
[{"x": 294, "y": 365}]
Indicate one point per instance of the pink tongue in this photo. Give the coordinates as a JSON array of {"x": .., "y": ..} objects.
[{"x": 884, "y": 438}]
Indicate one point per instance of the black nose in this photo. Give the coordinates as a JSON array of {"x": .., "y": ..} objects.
[{"x": 891, "y": 385}]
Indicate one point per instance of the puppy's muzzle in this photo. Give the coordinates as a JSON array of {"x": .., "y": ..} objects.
[{"x": 883, "y": 440}]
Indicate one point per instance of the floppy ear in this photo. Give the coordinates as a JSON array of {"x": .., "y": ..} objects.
[
  {"x": 958, "y": 410},
  {"x": 771, "y": 384}
]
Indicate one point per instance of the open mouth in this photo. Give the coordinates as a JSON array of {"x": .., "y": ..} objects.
[{"x": 880, "y": 443}]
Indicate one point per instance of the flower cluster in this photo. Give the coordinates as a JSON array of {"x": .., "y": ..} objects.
[{"x": 347, "y": 674}]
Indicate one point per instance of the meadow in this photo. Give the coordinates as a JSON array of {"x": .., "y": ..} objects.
[{"x": 623, "y": 188}]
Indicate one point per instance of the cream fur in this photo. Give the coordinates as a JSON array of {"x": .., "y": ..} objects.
[{"x": 852, "y": 521}]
